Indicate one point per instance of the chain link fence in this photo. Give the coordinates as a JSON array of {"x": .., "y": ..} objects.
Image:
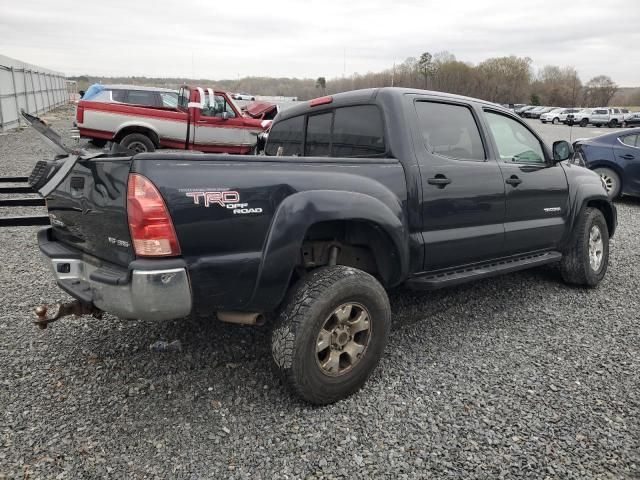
[{"x": 29, "y": 87}]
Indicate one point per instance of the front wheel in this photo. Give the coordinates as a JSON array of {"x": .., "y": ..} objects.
[
  {"x": 586, "y": 261},
  {"x": 330, "y": 333},
  {"x": 584, "y": 122}
]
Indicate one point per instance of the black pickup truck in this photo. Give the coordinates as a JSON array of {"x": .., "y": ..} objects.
[{"x": 356, "y": 193}]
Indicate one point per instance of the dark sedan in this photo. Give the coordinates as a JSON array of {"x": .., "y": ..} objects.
[{"x": 616, "y": 158}]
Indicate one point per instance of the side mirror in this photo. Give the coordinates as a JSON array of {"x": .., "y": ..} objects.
[
  {"x": 225, "y": 115},
  {"x": 562, "y": 150}
]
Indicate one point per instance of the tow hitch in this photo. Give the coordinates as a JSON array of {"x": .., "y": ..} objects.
[{"x": 75, "y": 308}]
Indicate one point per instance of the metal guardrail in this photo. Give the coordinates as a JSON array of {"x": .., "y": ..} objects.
[{"x": 20, "y": 186}]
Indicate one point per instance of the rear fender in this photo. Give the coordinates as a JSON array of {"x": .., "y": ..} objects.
[
  {"x": 298, "y": 212},
  {"x": 138, "y": 126}
]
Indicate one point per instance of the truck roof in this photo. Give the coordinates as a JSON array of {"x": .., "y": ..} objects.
[{"x": 369, "y": 95}]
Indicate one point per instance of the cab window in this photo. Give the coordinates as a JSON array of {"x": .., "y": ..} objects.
[
  {"x": 318, "y": 141},
  {"x": 516, "y": 144},
  {"x": 217, "y": 107},
  {"x": 450, "y": 130},
  {"x": 286, "y": 137},
  {"x": 357, "y": 132}
]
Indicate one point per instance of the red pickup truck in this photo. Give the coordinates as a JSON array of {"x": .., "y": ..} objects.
[{"x": 204, "y": 120}]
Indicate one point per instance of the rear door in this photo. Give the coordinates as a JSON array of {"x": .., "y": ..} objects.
[
  {"x": 599, "y": 116},
  {"x": 463, "y": 191},
  {"x": 627, "y": 152},
  {"x": 537, "y": 194}
]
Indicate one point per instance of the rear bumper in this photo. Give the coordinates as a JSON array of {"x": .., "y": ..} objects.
[{"x": 146, "y": 290}]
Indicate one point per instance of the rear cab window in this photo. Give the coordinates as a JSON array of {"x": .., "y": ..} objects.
[
  {"x": 344, "y": 132},
  {"x": 450, "y": 130},
  {"x": 286, "y": 137}
]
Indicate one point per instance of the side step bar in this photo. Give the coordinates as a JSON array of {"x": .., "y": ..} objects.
[{"x": 447, "y": 278}]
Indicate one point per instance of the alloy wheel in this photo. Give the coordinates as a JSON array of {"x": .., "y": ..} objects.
[
  {"x": 343, "y": 339},
  {"x": 596, "y": 248}
]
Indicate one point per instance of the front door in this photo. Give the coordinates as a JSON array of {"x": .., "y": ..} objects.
[
  {"x": 537, "y": 193},
  {"x": 220, "y": 128},
  {"x": 463, "y": 190}
]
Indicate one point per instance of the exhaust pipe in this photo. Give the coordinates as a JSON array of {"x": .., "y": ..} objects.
[{"x": 242, "y": 318}]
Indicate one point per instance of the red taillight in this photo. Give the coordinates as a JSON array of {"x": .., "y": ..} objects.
[
  {"x": 80, "y": 114},
  {"x": 150, "y": 224},
  {"x": 321, "y": 101}
]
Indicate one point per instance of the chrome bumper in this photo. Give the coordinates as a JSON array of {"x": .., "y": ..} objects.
[{"x": 146, "y": 295}]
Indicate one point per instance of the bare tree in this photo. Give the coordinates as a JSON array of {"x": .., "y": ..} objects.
[{"x": 599, "y": 90}]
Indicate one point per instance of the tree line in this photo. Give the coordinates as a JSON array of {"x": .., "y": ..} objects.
[
  {"x": 510, "y": 79},
  {"x": 502, "y": 80}
]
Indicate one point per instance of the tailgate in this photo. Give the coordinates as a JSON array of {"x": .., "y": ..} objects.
[{"x": 88, "y": 209}]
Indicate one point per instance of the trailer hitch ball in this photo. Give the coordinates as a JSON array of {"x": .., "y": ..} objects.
[
  {"x": 41, "y": 313},
  {"x": 75, "y": 308}
]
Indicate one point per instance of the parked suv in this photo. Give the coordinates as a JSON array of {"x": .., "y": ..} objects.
[{"x": 557, "y": 115}]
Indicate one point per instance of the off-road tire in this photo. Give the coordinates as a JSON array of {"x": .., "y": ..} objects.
[
  {"x": 138, "y": 139},
  {"x": 575, "y": 267},
  {"x": 308, "y": 305}
]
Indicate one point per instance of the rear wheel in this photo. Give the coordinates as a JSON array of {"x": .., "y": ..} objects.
[
  {"x": 588, "y": 257},
  {"x": 613, "y": 123},
  {"x": 611, "y": 181},
  {"x": 138, "y": 142},
  {"x": 555, "y": 121},
  {"x": 330, "y": 333}
]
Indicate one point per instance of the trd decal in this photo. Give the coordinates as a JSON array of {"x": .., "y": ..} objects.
[
  {"x": 220, "y": 198},
  {"x": 228, "y": 199}
]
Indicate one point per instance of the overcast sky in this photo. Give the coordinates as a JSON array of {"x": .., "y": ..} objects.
[{"x": 218, "y": 40}]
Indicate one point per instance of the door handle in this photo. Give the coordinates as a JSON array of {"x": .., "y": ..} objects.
[
  {"x": 627, "y": 156},
  {"x": 513, "y": 180},
  {"x": 439, "y": 180}
]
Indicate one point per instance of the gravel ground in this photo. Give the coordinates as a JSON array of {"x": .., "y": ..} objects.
[{"x": 514, "y": 377}]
